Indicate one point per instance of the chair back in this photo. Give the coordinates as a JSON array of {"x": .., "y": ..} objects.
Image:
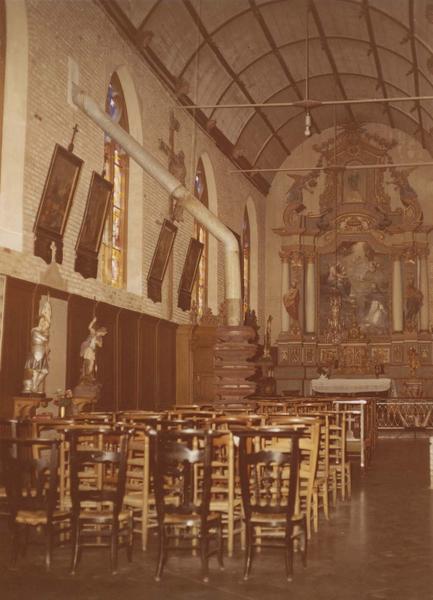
[
  {"x": 179, "y": 456},
  {"x": 269, "y": 476},
  {"x": 30, "y": 471},
  {"x": 103, "y": 451}
]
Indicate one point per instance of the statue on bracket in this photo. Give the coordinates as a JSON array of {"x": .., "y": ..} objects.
[
  {"x": 36, "y": 367},
  {"x": 88, "y": 351},
  {"x": 88, "y": 386}
]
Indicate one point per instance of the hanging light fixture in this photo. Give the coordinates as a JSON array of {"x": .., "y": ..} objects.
[{"x": 307, "y": 130}]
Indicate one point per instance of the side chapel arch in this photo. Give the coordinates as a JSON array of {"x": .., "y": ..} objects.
[{"x": 212, "y": 282}]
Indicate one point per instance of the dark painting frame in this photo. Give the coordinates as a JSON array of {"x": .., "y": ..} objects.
[
  {"x": 160, "y": 260},
  {"x": 56, "y": 201},
  {"x": 189, "y": 273},
  {"x": 89, "y": 239}
]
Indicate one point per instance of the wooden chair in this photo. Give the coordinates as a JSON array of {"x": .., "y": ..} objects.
[
  {"x": 138, "y": 496},
  {"x": 309, "y": 444},
  {"x": 183, "y": 498},
  {"x": 224, "y": 497},
  {"x": 31, "y": 481},
  {"x": 97, "y": 515},
  {"x": 269, "y": 482}
]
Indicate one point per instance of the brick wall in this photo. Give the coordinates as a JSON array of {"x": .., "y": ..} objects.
[{"x": 81, "y": 30}]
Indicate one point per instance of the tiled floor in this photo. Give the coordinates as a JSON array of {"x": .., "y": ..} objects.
[{"x": 378, "y": 546}]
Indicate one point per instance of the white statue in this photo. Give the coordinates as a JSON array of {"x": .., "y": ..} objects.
[
  {"x": 88, "y": 350},
  {"x": 36, "y": 366}
]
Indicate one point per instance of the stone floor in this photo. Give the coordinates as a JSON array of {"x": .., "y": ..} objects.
[{"x": 378, "y": 546}]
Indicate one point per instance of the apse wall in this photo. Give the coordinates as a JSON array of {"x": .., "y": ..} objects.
[
  {"x": 406, "y": 150},
  {"x": 81, "y": 31}
]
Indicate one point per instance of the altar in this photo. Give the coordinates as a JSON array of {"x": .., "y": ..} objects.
[
  {"x": 354, "y": 273},
  {"x": 340, "y": 387}
]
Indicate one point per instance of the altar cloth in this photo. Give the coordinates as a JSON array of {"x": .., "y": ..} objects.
[{"x": 350, "y": 386}]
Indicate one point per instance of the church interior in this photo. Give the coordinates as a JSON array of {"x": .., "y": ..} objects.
[{"x": 215, "y": 228}]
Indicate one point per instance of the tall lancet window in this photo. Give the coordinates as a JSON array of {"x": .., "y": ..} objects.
[
  {"x": 246, "y": 258},
  {"x": 201, "y": 233},
  {"x": 116, "y": 171},
  {"x": 2, "y": 62}
]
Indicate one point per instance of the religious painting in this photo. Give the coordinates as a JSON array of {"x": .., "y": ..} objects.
[
  {"x": 98, "y": 202},
  {"x": 92, "y": 226},
  {"x": 354, "y": 185},
  {"x": 160, "y": 259},
  {"x": 56, "y": 202},
  {"x": 189, "y": 273},
  {"x": 354, "y": 292},
  {"x": 58, "y": 191}
]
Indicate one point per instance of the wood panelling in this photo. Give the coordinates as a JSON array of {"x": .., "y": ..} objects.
[
  {"x": 19, "y": 318},
  {"x": 128, "y": 332},
  {"x": 166, "y": 353},
  {"x": 148, "y": 363},
  {"x": 136, "y": 364}
]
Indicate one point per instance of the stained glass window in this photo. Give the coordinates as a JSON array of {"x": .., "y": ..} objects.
[
  {"x": 201, "y": 233},
  {"x": 116, "y": 171},
  {"x": 246, "y": 258}
]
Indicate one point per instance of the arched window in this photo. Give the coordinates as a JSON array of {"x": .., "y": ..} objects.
[
  {"x": 246, "y": 260},
  {"x": 200, "y": 287},
  {"x": 116, "y": 171},
  {"x": 2, "y": 63}
]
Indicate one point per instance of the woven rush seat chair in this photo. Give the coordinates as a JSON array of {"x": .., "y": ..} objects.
[
  {"x": 269, "y": 483},
  {"x": 98, "y": 517},
  {"x": 182, "y": 474},
  {"x": 30, "y": 471}
]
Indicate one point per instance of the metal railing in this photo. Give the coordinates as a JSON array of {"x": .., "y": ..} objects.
[{"x": 404, "y": 413}]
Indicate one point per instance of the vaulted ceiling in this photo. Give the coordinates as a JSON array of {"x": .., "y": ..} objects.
[{"x": 243, "y": 52}]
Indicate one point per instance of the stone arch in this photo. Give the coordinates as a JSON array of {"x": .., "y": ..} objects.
[
  {"x": 14, "y": 126},
  {"x": 212, "y": 290},
  {"x": 134, "y": 249}
]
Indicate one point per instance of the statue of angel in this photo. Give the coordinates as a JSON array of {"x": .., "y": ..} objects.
[{"x": 88, "y": 350}]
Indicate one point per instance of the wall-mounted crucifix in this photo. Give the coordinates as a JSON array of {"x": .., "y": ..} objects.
[{"x": 176, "y": 160}]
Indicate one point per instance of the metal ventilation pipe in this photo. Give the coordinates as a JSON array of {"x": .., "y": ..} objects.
[{"x": 185, "y": 199}]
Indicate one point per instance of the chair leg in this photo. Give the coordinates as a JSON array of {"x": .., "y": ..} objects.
[
  {"x": 304, "y": 545},
  {"x": 75, "y": 544},
  {"x": 25, "y": 542},
  {"x": 204, "y": 554},
  {"x": 15, "y": 545},
  {"x": 220, "y": 546},
  {"x": 130, "y": 534},
  {"x": 325, "y": 500},
  {"x": 289, "y": 553},
  {"x": 114, "y": 545},
  {"x": 49, "y": 548},
  {"x": 230, "y": 532},
  {"x": 161, "y": 553},
  {"x": 315, "y": 511},
  {"x": 249, "y": 550},
  {"x": 349, "y": 480}
]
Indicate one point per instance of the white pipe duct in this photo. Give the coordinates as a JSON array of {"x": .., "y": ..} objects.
[{"x": 187, "y": 200}]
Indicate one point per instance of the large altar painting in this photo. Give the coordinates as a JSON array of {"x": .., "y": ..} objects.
[{"x": 355, "y": 292}]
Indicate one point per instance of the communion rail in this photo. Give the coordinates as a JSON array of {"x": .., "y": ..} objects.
[{"x": 404, "y": 414}]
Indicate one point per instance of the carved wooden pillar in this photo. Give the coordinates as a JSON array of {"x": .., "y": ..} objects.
[
  {"x": 285, "y": 319},
  {"x": 423, "y": 283},
  {"x": 310, "y": 295},
  {"x": 397, "y": 295}
]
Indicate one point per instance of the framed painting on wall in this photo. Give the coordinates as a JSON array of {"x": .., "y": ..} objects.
[
  {"x": 56, "y": 202},
  {"x": 92, "y": 226},
  {"x": 189, "y": 273},
  {"x": 160, "y": 259}
]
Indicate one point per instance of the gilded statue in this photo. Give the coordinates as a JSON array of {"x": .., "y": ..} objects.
[{"x": 36, "y": 365}]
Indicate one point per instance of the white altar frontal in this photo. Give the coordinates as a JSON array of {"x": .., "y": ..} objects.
[{"x": 322, "y": 385}]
